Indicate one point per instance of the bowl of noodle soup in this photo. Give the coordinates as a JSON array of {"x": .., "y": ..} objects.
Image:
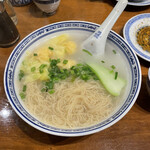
[{"x": 75, "y": 105}]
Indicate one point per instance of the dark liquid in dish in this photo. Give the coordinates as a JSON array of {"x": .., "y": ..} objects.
[{"x": 8, "y": 31}]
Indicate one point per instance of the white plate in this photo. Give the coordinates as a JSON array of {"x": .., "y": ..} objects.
[
  {"x": 130, "y": 30},
  {"x": 142, "y": 3},
  {"x": 81, "y": 27}
]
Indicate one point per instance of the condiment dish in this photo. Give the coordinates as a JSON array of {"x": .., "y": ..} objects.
[{"x": 130, "y": 31}]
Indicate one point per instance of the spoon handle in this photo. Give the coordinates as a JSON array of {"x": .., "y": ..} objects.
[
  {"x": 96, "y": 42},
  {"x": 111, "y": 19}
]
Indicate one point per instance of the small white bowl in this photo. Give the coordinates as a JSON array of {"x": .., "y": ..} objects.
[
  {"x": 82, "y": 29},
  {"x": 47, "y": 6}
]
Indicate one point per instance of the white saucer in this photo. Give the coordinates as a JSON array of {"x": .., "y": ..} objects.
[
  {"x": 130, "y": 31},
  {"x": 142, "y": 3}
]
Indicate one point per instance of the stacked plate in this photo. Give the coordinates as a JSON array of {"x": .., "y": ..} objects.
[{"x": 139, "y": 2}]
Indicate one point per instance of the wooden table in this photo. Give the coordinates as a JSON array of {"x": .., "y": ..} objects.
[{"x": 130, "y": 133}]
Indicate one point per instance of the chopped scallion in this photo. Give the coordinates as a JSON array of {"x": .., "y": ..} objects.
[
  {"x": 43, "y": 90},
  {"x": 58, "y": 60},
  {"x": 35, "y": 54},
  {"x": 41, "y": 68},
  {"x": 50, "y": 84},
  {"x": 33, "y": 69},
  {"x": 22, "y": 95},
  {"x": 23, "y": 62},
  {"x": 24, "y": 88},
  {"x": 111, "y": 71},
  {"x": 51, "y": 91},
  {"x": 113, "y": 67},
  {"x": 84, "y": 50},
  {"x": 54, "y": 62},
  {"x": 65, "y": 61},
  {"x": 50, "y": 48},
  {"x": 57, "y": 74},
  {"x": 21, "y": 75},
  {"x": 114, "y": 52},
  {"x": 72, "y": 72},
  {"x": 116, "y": 75}
]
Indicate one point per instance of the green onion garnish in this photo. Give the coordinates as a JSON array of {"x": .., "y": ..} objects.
[
  {"x": 49, "y": 84},
  {"x": 33, "y": 69},
  {"x": 43, "y": 90},
  {"x": 35, "y": 54},
  {"x": 116, "y": 75},
  {"x": 57, "y": 74},
  {"x": 24, "y": 88},
  {"x": 113, "y": 67},
  {"x": 22, "y": 95},
  {"x": 54, "y": 62},
  {"x": 114, "y": 52},
  {"x": 65, "y": 61},
  {"x": 50, "y": 48},
  {"x": 51, "y": 91},
  {"x": 23, "y": 62},
  {"x": 21, "y": 75},
  {"x": 111, "y": 71},
  {"x": 41, "y": 68},
  {"x": 84, "y": 50}
]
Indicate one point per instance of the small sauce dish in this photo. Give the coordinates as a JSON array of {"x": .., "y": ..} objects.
[{"x": 135, "y": 25}]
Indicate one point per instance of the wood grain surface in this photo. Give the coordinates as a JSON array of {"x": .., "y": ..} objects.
[{"x": 130, "y": 133}]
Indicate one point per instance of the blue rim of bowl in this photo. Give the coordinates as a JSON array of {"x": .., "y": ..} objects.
[
  {"x": 127, "y": 36},
  {"x": 65, "y": 26},
  {"x": 145, "y": 3}
]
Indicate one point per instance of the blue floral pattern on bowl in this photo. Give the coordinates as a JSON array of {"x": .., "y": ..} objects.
[{"x": 20, "y": 2}]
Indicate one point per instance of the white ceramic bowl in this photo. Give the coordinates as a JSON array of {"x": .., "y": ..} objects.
[
  {"x": 47, "y": 6},
  {"x": 82, "y": 29}
]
